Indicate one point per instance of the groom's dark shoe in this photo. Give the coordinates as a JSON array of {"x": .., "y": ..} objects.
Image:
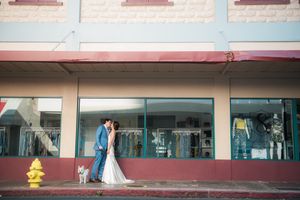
[
  {"x": 99, "y": 180},
  {"x": 94, "y": 180}
]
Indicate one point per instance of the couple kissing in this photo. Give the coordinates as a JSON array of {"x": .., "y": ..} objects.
[{"x": 106, "y": 168}]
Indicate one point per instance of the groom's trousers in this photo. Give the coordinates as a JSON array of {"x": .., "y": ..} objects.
[{"x": 98, "y": 164}]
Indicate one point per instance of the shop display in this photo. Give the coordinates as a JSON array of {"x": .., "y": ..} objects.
[
  {"x": 263, "y": 133},
  {"x": 277, "y": 136},
  {"x": 128, "y": 142},
  {"x": 39, "y": 141},
  {"x": 240, "y": 135},
  {"x": 183, "y": 143}
]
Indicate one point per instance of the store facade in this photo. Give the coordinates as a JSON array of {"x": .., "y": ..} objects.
[
  {"x": 182, "y": 116},
  {"x": 199, "y": 94}
]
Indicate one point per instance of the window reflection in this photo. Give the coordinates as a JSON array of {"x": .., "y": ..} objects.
[
  {"x": 30, "y": 126},
  {"x": 128, "y": 112},
  {"x": 176, "y": 128},
  {"x": 179, "y": 128}
]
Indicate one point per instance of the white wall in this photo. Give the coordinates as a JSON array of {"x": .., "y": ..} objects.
[
  {"x": 244, "y": 46},
  {"x": 147, "y": 47},
  {"x": 31, "y": 46}
]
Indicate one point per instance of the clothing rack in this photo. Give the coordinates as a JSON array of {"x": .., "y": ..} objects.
[
  {"x": 127, "y": 131},
  {"x": 39, "y": 141},
  {"x": 47, "y": 130},
  {"x": 186, "y": 131},
  {"x": 128, "y": 142},
  {"x": 182, "y": 142}
]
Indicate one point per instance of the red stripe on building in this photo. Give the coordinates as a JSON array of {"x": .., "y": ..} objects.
[
  {"x": 2, "y": 104},
  {"x": 178, "y": 56}
]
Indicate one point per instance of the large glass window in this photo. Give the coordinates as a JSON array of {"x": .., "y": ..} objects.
[
  {"x": 262, "y": 129},
  {"x": 179, "y": 128},
  {"x": 30, "y": 126},
  {"x": 176, "y": 128},
  {"x": 128, "y": 112}
]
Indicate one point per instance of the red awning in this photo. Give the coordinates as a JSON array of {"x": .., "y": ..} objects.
[{"x": 190, "y": 56}]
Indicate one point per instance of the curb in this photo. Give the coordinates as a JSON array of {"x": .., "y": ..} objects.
[{"x": 149, "y": 193}]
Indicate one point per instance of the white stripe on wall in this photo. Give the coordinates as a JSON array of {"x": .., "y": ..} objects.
[
  {"x": 34, "y": 46},
  {"x": 147, "y": 47},
  {"x": 244, "y": 46}
]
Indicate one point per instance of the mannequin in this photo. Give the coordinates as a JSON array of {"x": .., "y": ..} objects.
[
  {"x": 259, "y": 140},
  {"x": 277, "y": 136},
  {"x": 240, "y": 134}
]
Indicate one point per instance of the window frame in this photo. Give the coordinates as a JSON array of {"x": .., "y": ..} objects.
[
  {"x": 36, "y": 3},
  {"x": 78, "y": 125},
  {"x": 144, "y": 154},
  {"x": 40, "y": 97},
  {"x": 213, "y": 157},
  {"x": 262, "y": 2},
  {"x": 147, "y": 3},
  {"x": 293, "y": 126}
]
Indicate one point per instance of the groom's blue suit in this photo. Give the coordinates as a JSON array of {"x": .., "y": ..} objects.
[{"x": 100, "y": 148}]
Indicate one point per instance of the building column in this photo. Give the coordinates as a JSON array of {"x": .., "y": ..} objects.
[
  {"x": 221, "y": 15},
  {"x": 69, "y": 118},
  {"x": 222, "y": 118}
]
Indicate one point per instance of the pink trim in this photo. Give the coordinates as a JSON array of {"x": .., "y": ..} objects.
[
  {"x": 292, "y": 55},
  {"x": 159, "y": 169},
  {"x": 191, "y": 56},
  {"x": 54, "y": 168},
  {"x": 36, "y": 2},
  {"x": 147, "y": 3},
  {"x": 52, "y": 56},
  {"x": 261, "y": 2}
]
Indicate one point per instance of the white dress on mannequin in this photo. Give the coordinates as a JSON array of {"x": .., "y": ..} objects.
[
  {"x": 277, "y": 136},
  {"x": 112, "y": 173}
]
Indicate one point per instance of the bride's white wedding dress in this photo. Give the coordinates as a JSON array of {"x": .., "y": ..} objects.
[{"x": 112, "y": 173}]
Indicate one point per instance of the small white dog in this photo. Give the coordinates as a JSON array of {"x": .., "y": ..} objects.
[{"x": 83, "y": 173}]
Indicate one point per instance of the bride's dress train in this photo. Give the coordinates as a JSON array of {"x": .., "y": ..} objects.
[{"x": 112, "y": 173}]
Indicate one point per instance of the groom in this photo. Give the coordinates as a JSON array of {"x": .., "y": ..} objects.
[{"x": 100, "y": 148}]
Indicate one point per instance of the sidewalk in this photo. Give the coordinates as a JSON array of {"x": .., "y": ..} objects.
[{"x": 182, "y": 189}]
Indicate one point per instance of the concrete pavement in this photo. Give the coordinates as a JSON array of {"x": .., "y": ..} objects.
[{"x": 182, "y": 189}]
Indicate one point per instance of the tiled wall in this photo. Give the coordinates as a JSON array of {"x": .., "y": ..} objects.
[
  {"x": 26, "y": 13},
  {"x": 183, "y": 11},
  {"x": 264, "y": 13}
]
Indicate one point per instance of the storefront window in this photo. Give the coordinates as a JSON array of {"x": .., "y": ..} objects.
[
  {"x": 30, "y": 126},
  {"x": 179, "y": 128},
  {"x": 262, "y": 129},
  {"x": 128, "y": 112},
  {"x": 176, "y": 128}
]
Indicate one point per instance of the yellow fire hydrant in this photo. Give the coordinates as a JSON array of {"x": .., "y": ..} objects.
[{"x": 35, "y": 174}]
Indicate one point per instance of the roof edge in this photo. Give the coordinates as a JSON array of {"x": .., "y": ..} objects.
[{"x": 170, "y": 56}]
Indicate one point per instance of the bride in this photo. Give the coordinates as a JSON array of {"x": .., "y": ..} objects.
[{"x": 112, "y": 173}]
